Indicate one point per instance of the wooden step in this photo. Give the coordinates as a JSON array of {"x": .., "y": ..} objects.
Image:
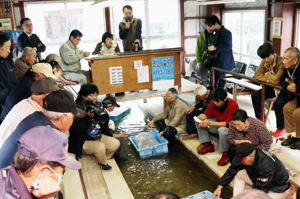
[
  {"x": 93, "y": 179},
  {"x": 116, "y": 183}
]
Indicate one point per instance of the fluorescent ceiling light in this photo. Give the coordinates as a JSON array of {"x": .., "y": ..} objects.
[{"x": 211, "y": 2}]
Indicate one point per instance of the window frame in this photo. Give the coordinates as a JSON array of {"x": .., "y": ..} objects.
[
  {"x": 241, "y": 55},
  {"x": 146, "y": 35},
  {"x": 297, "y": 29}
]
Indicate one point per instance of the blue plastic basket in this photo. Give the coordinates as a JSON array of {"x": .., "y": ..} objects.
[
  {"x": 159, "y": 149},
  {"x": 119, "y": 113},
  {"x": 201, "y": 195}
]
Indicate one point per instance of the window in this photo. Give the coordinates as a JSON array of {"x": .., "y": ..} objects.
[
  {"x": 54, "y": 20},
  {"x": 297, "y": 40},
  {"x": 160, "y": 29},
  {"x": 247, "y": 28}
]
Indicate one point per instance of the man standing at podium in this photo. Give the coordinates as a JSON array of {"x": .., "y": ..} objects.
[{"x": 130, "y": 31}]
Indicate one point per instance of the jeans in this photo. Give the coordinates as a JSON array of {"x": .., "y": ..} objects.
[{"x": 203, "y": 133}]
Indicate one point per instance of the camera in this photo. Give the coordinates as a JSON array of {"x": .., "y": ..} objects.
[{"x": 100, "y": 115}]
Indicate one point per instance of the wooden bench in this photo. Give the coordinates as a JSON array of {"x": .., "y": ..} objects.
[{"x": 90, "y": 182}]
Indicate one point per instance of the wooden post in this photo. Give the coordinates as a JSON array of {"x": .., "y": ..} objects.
[{"x": 262, "y": 102}]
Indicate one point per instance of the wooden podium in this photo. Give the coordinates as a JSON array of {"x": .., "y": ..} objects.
[{"x": 101, "y": 75}]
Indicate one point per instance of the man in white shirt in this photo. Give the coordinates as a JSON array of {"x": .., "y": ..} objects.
[{"x": 40, "y": 89}]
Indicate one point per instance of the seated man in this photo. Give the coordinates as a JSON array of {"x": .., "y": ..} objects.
[
  {"x": 270, "y": 71},
  {"x": 172, "y": 120},
  {"x": 39, "y": 90},
  {"x": 202, "y": 98},
  {"x": 23, "y": 88},
  {"x": 247, "y": 129},
  {"x": 91, "y": 135},
  {"x": 258, "y": 168},
  {"x": 8, "y": 76},
  {"x": 54, "y": 57},
  {"x": 24, "y": 63},
  {"x": 37, "y": 168},
  {"x": 109, "y": 103},
  {"x": 220, "y": 110},
  {"x": 291, "y": 83},
  {"x": 59, "y": 112},
  {"x": 71, "y": 56}
]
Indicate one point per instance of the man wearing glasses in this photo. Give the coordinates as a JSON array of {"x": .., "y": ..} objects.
[{"x": 28, "y": 39}]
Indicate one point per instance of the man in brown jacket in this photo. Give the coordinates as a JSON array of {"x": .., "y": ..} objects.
[
  {"x": 270, "y": 70},
  {"x": 130, "y": 30},
  {"x": 172, "y": 120},
  {"x": 24, "y": 63}
]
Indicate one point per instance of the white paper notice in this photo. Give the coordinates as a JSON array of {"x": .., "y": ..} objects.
[
  {"x": 143, "y": 74},
  {"x": 138, "y": 64},
  {"x": 163, "y": 85},
  {"x": 116, "y": 75}
]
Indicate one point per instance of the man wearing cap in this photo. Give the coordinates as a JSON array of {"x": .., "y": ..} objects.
[
  {"x": 38, "y": 165},
  {"x": 203, "y": 96},
  {"x": 109, "y": 103},
  {"x": 59, "y": 111},
  {"x": 39, "y": 90},
  {"x": 23, "y": 88},
  {"x": 258, "y": 168}
]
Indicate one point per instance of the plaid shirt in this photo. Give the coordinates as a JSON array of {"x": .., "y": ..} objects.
[{"x": 257, "y": 133}]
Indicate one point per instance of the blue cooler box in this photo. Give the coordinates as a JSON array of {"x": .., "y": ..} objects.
[
  {"x": 158, "y": 149},
  {"x": 201, "y": 195},
  {"x": 119, "y": 113}
]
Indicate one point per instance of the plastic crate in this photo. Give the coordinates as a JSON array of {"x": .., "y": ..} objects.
[
  {"x": 119, "y": 113},
  {"x": 159, "y": 149},
  {"x": 201, "y": 195}
]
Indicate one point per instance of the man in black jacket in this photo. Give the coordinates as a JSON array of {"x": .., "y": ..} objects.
[
  {"x": 223, "y": 50},
  {"x": 28, "y": 39},
  {"x": 258, "y": 168},
  {"x": 8, "y": 76},
  {"x": 91, "y": 134},
  {"x": 290, "y": 82}
]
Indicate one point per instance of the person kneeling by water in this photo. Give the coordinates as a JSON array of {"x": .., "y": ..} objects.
[
  {"x": 91, "y": 134},
  {"x": 258, "y": 168},
  {"x": 172, "y": 120}
]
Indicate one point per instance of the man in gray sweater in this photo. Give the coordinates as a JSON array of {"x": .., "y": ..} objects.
[{"x": 71, "y": 56}]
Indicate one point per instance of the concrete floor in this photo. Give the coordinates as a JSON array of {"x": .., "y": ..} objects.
[{"x": 154, "y": 103}]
